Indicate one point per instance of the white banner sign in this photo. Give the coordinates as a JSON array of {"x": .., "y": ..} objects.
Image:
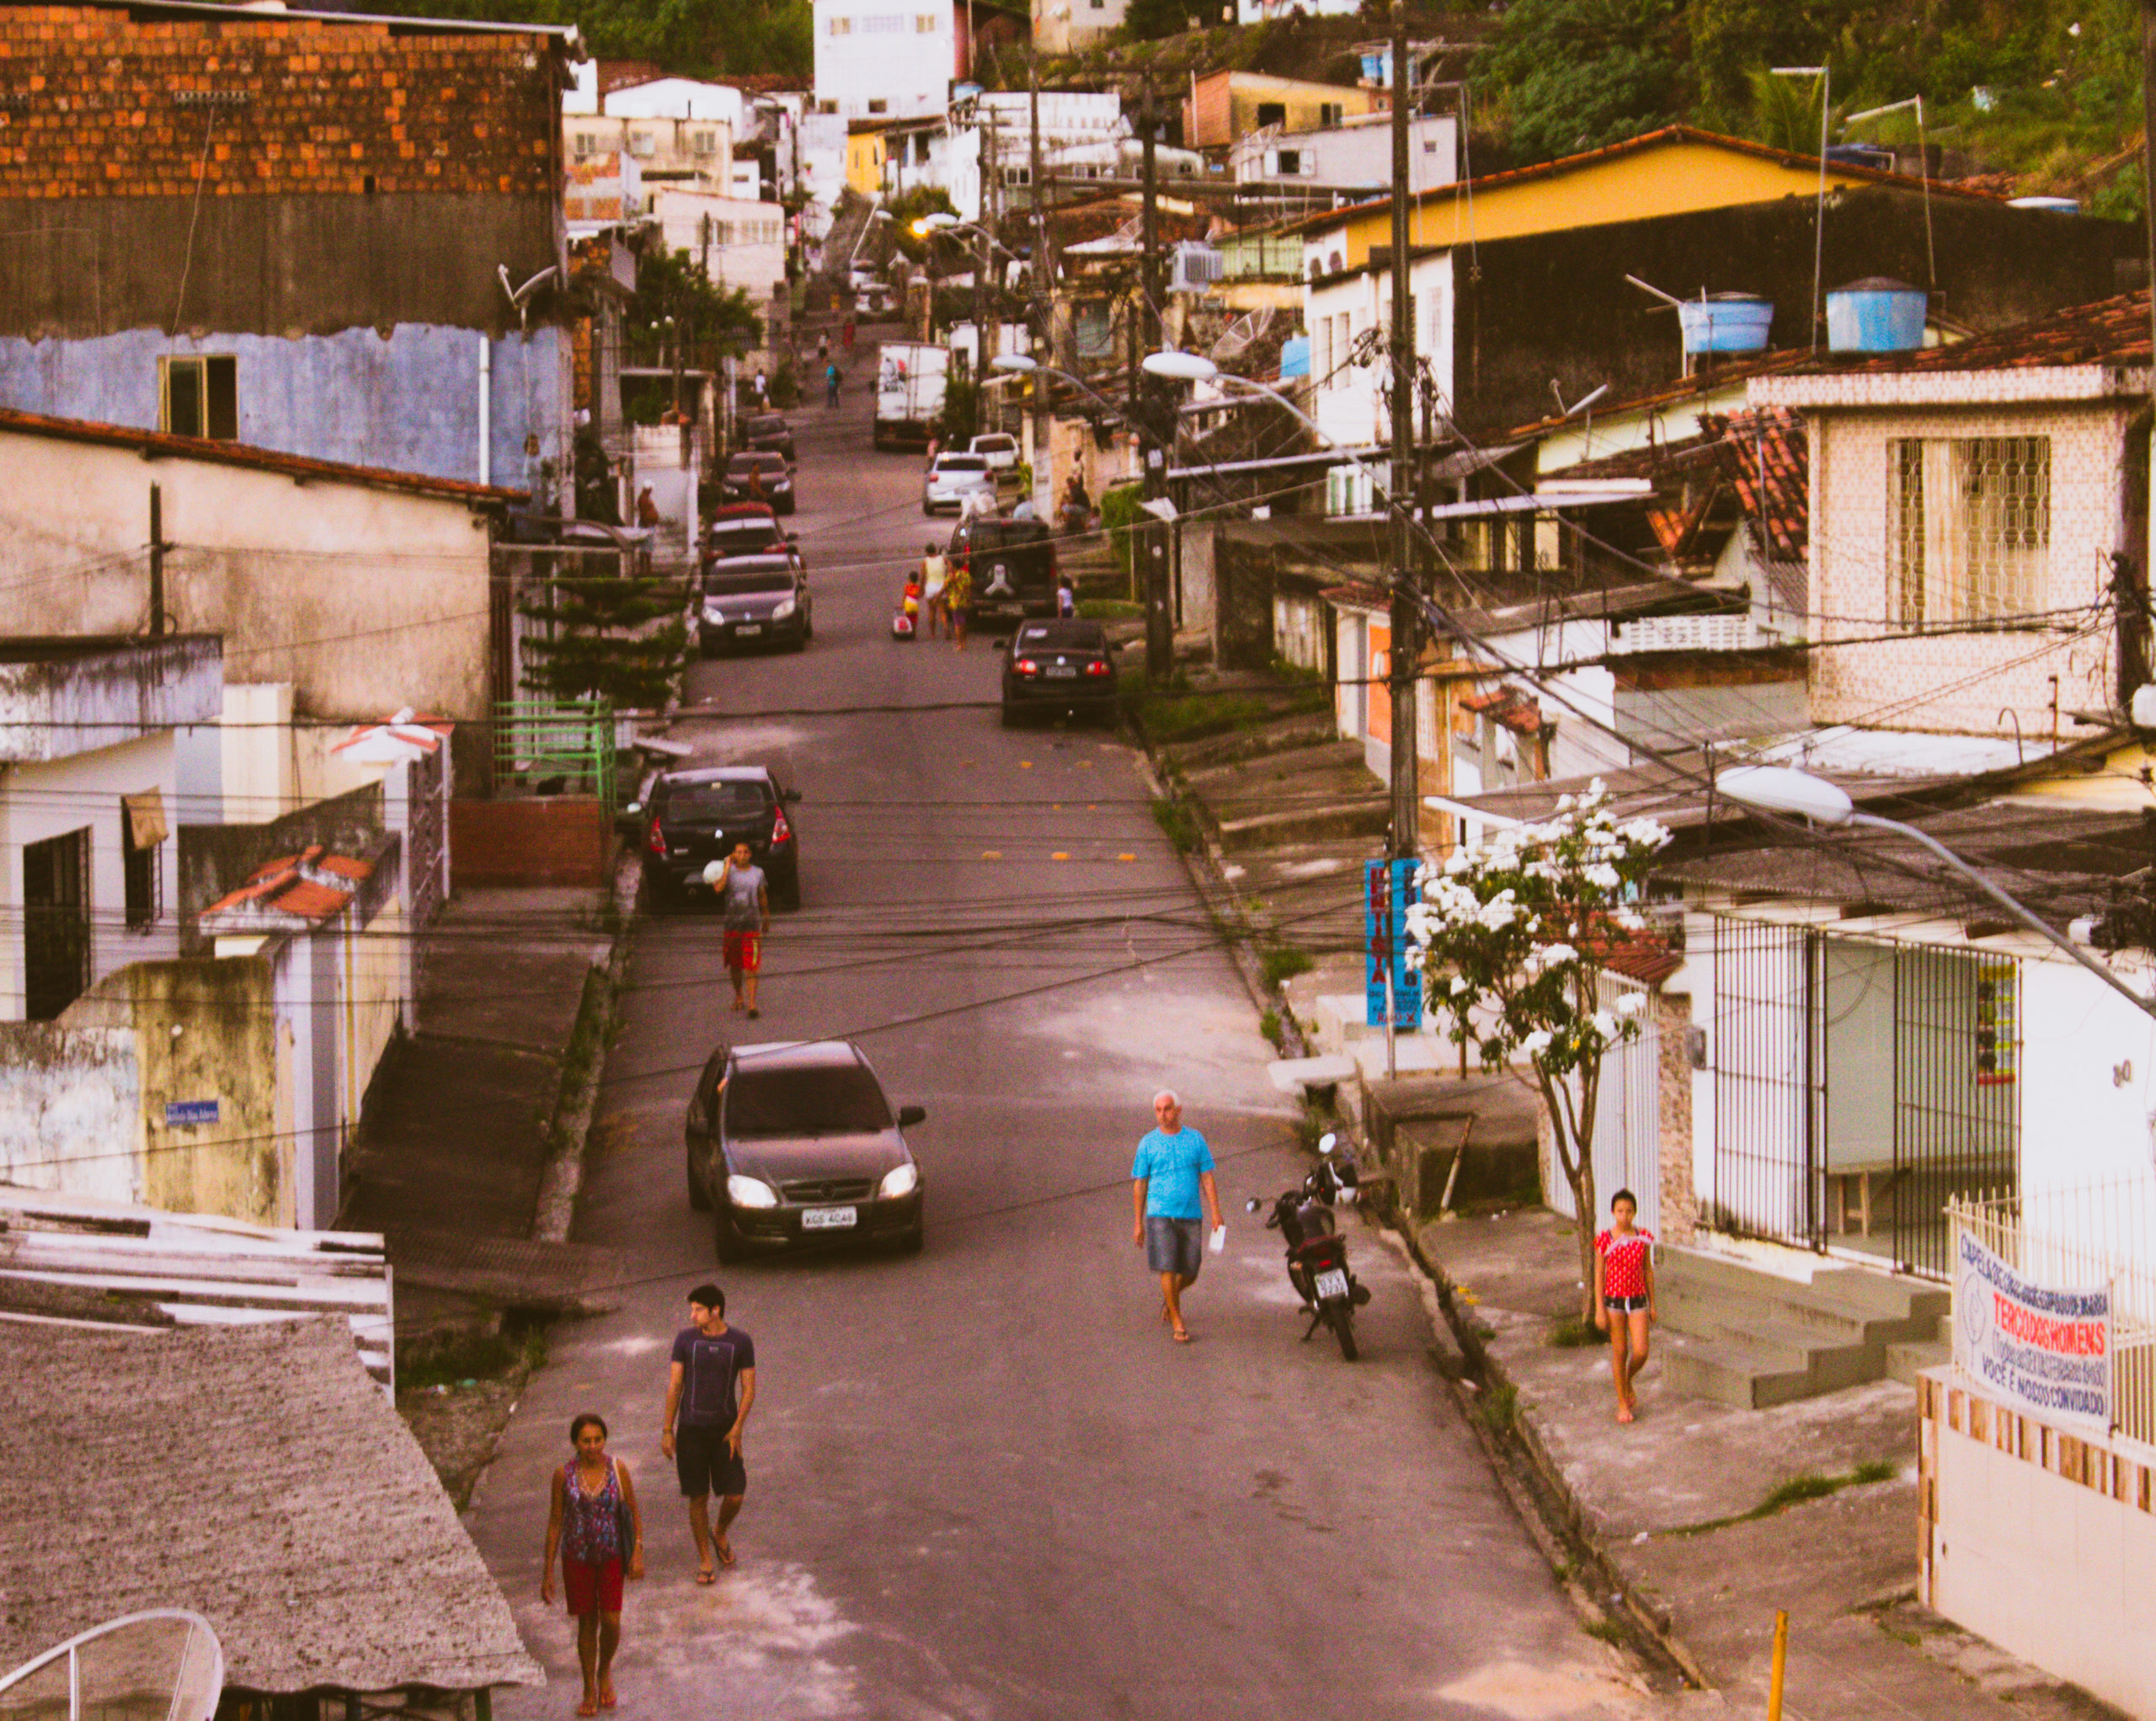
[{"x": 2048, "y": 1350}]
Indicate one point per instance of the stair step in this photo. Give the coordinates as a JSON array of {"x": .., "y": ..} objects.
[
  {"x": 1728, "y": 1372},
  {"x": 1905, "y": 1361}
]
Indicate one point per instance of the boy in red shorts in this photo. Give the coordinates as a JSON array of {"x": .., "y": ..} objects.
[
  {"x": 739, "y": 883},
  {"x": 1623, "y": 1296}
]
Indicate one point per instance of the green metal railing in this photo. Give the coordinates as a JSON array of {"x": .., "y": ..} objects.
[{"x": 554, "y": 747}]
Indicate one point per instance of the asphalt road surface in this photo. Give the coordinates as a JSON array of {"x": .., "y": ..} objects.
[{"x": 982, "y": 1482}]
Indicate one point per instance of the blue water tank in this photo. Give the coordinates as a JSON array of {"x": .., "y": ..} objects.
[
  {"x": 1296, "y": 357},
  {"x": 1726, "y": 323},
  {"x": 1877, "y": 314}
]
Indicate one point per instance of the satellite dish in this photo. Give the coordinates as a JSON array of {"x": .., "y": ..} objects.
[{"x": 167, "y": 1659}]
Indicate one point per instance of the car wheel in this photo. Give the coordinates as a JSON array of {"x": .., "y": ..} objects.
[
  {"x": 725, "y": 1242},
  {"x": 910, "y": 1240},
  {"x": 1010, "y": 716},
  {"x": 807, "y": 625},
  {"x": 654, "y": 894},
  {"x": 787, "y": 891},
  {"x": 699, "y": 1196}
]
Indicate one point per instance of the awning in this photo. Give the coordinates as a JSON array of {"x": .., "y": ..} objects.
[{"x": 146, "y": 818}]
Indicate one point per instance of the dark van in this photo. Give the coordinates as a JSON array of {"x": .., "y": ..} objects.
[{"x": 1011, "y": 563}]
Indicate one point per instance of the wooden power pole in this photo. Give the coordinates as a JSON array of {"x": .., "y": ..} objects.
[{"x": 1406, "y": 619}]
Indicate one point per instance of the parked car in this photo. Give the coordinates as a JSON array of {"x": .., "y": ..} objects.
[
  {"x": 875, "y": 300},
  {"x": 744, "y": 529},
  {"x": 951, "y": 478},
  {"x": 1059, "y": 667},
  {"x": 1010, "y": 564},
  {"x": 998, "y": 448},
  {"x": 768, "y": 433},
  {"x": 692, "y": 816},
  {"x": 755, "y": 600},
  {"x": 750, "y": 477},
  {"x": 795, "y": 1142}
]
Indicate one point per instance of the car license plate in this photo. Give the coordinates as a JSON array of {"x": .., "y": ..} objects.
[
  {"x": 1062, "y": 672},
  {"x": 748, "y": 628},
  {"x": 830, "y": 1218},
  {"x": 1331, "y": 1285}
]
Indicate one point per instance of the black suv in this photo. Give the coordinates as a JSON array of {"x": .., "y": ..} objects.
[
  {"x": 795, "y": 1143},
  {"x": 1013, "y": 566},
  {"x": 691, "y": 817},
  {"x": 1059, "y": 667},
  {"x": 768, "y": 433},
  {"x": 760, "y": 600}
]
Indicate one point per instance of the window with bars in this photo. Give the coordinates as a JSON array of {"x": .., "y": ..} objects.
[
  {"x": 142, "y": 876},
  {"x": 1971, "y": 526}
]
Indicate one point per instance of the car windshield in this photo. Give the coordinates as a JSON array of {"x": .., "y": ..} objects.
[
  {"x": 690, "y": 801},
  {"x": 724, "y": 578},
  {"x": 773, "y": 425},
  {"x": 993, "y": 444},
  {"x": 746, "y": 540},
  {"x": 842, "y": 1101},
  {"x": 742, "y": 464},
  {"x": 961, "y": 463}
]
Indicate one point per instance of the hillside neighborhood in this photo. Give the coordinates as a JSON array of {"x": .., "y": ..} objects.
[{"x": 1531, "y": 624}]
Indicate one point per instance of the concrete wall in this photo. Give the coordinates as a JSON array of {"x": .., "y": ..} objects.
[
  {"x": 365, "y": 600},
  {"x": 215, "y": 860},
  {"x": 46, "y": 800},
  {"x": 404, "y": 397},
  {"x": 207, "y": 1030},
  {"x": 553, "y": 840},
  {"x": 2038, "y": 1538},
  {"x": 71, "y": 1109},
  {"x": 874, "y": 51}
]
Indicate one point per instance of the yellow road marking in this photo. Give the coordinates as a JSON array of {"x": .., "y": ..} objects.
[
  {"x": 991, "y": 854},
  {"x": 1025, "y": 764},
  {"x": 1126, "y": 857},
  {"x": 1059, "y": 855}
]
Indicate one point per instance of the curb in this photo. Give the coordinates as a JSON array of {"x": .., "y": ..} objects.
[
  {"x": 1552, "y": 1511},
  {"x": 578, "y": 1103}
]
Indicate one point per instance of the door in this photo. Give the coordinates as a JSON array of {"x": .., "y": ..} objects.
[
  {"x": 56, "y": 923},
  {"x": 1769, "y": 1081},
  {"x": 1627, "y": 1119}
]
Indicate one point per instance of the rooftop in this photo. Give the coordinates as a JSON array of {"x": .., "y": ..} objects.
[
  {"x": 289, "y": 894},
  {"x": 255, "y": 1475}
]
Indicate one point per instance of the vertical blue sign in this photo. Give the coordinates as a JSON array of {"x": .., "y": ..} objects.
[{"x": 1387, "y": 887}]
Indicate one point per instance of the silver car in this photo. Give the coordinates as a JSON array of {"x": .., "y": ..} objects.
[{"x": 952, "y": 478}]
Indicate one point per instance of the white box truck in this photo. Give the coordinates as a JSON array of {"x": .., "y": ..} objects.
[{"x": 909, "y": 378}]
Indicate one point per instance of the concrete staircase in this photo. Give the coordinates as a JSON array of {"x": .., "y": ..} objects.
[
  {"x": 1744, "y": 1337},
  {"x": 1907, "y": 1360}
]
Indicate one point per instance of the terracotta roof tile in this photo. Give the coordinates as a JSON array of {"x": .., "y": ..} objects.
[{"x": 1770, "y": 464}]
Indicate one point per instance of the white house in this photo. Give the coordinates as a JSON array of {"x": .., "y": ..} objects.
[
  {"x": 1258, "y": 11},
  {"x": 741, "y": 243},
  {"x": 1349, "y": 315},
  {"x": 1353, "y": 156},
  {"x": 1062, "y": 26},
  {"x": 676, "y": 129},
  {"x": 895, "y": 64}
]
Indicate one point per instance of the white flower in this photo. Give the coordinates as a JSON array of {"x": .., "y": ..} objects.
[
  {"x": 1558, "y": 955},
  {"x": 1603, "y": 876},
  {"x": 1458, "y": 984},
  {"x": 1632, "y": 1003},
  {"x": 1535, "y": 1043},
  {"x": 1605, "y": 1024}
]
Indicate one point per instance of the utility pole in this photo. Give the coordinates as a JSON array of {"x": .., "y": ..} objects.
[
  {"x": 1405, "y": 631},
  {"x": 156, "y": 561},
  {"x": 984, "y": 148},
  {"x": 1159, "y": 628},
  {"x": 1044, "y": 479}
]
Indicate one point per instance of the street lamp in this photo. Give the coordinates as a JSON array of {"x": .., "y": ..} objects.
[{"x": 1782, "y": 789}]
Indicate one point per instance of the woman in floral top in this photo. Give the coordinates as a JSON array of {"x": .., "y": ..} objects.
[
  {"x": 596, "y": 1524},
  {"x": 1623, "y": 1296}
]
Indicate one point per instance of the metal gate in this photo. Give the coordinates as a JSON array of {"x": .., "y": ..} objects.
[
  {"x": 1859, "y": 1085},
  {"x": 1627, "y": 1119}
]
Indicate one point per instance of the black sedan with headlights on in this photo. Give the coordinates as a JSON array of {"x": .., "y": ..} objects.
[
  {"x": 758, "y": 478},
  {"x": 794, "y": 1142},
  {"x": 1057, "y": 667},
  {"x": 755, "y": 600}
]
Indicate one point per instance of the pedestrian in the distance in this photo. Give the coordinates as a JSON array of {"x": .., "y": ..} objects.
[
  {"x": 1066, "y": 596},
  {"x": 1623, "y": 1296},
  {"x": 958, "y": 593},
  {"x": 746, "y": 899},
  {"x": 845, "y": 338},
  {"x": 646, "y": 510},
  {"x": 711, "y": 1387},
  {"x": 596, "y": 1525},
  {"x": 830, "y": 385},
  {"x": 824, "y": 347},
  {"x": 935, "y": 579},
  {"x": 763, "y": 390},
  {"x": 1172, "y": 1193}
]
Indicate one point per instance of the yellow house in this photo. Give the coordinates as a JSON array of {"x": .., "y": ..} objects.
[
  {"x": 864, "y": 157},
  {"x": 1675, "y": 171},
  {"x": 1231, "y": 104}
]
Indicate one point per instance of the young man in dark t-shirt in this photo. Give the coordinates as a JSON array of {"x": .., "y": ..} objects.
[{"x": 710, "y": 1386}]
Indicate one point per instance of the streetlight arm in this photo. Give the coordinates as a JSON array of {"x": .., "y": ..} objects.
[{"x": 2042, "y": 930}]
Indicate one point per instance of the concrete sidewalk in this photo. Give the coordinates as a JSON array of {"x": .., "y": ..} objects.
[{"x": 1679, "y": 1503}]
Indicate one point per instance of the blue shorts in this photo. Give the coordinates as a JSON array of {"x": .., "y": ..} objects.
[{"x": 1174, "y": 1245}]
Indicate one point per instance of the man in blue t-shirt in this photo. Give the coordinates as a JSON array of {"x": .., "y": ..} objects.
[
  {"x": 710, "y": 1386},
  {"x": 1172, "y": 1193}
]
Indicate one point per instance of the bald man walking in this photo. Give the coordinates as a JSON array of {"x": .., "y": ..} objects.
[{"x": 1172, "y": 1193}]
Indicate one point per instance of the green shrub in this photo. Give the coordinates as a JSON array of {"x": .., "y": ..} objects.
[
  {"x": 1284, "y": 962},
  {"x": 1176, "y": 824}
]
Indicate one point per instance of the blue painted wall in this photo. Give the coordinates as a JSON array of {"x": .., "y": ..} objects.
[{"x": 408, "y": 402}]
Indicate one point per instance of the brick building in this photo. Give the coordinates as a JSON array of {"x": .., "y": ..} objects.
[
  {"x": 1979, "y": 501},
  {"x": 287, "y": 229}
]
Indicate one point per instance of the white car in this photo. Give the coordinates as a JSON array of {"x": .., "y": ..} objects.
[
  {"x": 953, "y": 479},
  {"x": 998, "y": 448}
]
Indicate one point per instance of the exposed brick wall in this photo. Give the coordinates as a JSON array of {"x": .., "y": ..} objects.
[
  {"x": 556, "y": 840},
  {"x": 1680, "y": 1206},
  {"x": 1969, "y": 683},
  {"x": 95, "y": 104}
]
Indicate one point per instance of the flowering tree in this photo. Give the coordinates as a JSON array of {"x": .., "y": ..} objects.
[{"x": 1512, "y": 936}]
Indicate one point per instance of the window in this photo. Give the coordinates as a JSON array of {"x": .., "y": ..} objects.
[
  {"x": 639, "y": 143},
  {"x": 1329, "y": 114},
  {"x": 1288, "y": 161},
  {"x": 141, "y": 830},
  {"x": 581, "y": 144},
  {"x": 880, "y": 106},
  {"x": 703, "y": 142},
  {"x": 56, "y": 923},
  {"x": 841, "y": 26},
  {"x": 1271, "y": 114},
  {"x": 923, "y": 23},
  {"x": 885, "y": 23},
  {"x": 1971, "y": 526},
  {"x": 199, "y": 397}
]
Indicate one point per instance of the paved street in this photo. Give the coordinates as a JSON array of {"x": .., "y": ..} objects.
[{"x": 982, "y": 1481}]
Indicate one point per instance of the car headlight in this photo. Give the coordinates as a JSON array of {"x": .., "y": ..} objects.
[
  {"x": 900, "y": 1180},
  {"x": 712, "y": 612},
  {"x": 750, "y": 1192},
  {"x": 783, "y": 608}
]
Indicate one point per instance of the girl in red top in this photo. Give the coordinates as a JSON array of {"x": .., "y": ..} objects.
[{"x": 1623, "y": 1294}]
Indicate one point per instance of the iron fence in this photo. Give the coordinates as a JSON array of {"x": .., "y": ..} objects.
[
  {"x": 2089, "y": 1235},
  {"x": 555, "y": 748}
]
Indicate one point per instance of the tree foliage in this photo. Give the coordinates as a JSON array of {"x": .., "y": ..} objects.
[
  {"x": 597, "y": 630},
  {"x": 1581, "y": 74},
  {"x": 676, "y": 300},
  {"x": 1512, "y": 936}
]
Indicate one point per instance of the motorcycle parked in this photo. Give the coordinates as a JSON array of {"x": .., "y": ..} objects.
[{"x": 1317, "y": 1254}]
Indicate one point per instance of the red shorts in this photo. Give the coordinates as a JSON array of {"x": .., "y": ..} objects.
[
  {"x": 745, "y": 952},
  {"x": 592, "y": 1589}
]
